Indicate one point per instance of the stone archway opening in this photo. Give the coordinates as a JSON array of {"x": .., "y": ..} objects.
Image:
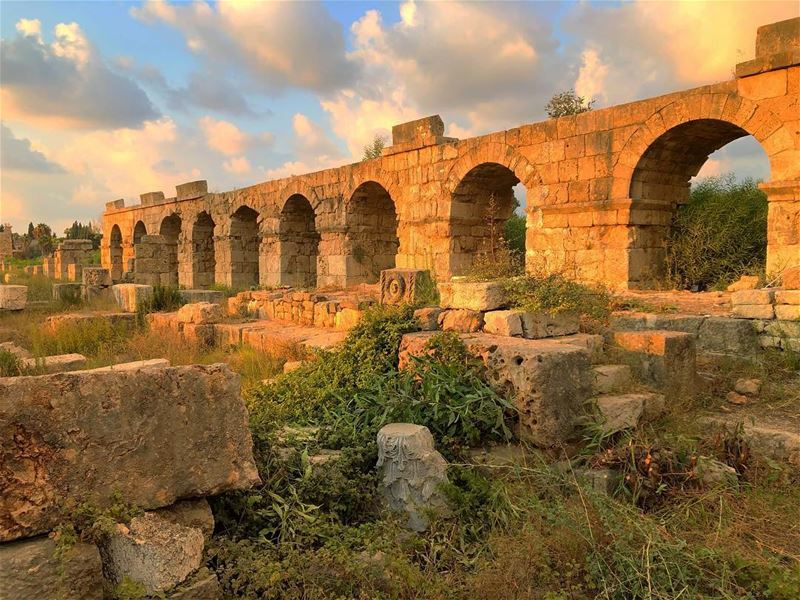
[
  {"x": 299, "y": 243},
  {"x": 681, "y": 216},
  {"x": 203, "y": 257},
  {"x": 487, "y": 223},
  {"x": 170, "y": 229},
  {"x": 115, "y": 248},
  {"x": 372, "y": 239},
  {"x": 139, "y": 230},
  {"x": 244, "y": 240}
]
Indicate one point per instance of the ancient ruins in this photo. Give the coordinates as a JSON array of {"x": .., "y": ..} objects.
[{"x": 602, "y": 187}]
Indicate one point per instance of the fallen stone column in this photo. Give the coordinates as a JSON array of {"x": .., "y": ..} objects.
[
  {"x": 154, "y": 435},
  {"x": 13, "y": 297}
]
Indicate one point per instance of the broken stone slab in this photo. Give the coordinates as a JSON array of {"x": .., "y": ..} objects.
[
  {"x": 542, "y": 324},
  {"x": 59, "y": 363},
  {"x": 194, "y": 296},
  {"x": 114, "y": 319},
  {"x": 754, "y": 311},
  {"x": 202, "y": 585},
  {"x": 130, "y": 296},
  {"x": 13, "y": 297},
  {"x": 199, "y": 313},
  {"x": 79, "y": 437},
  {"x": 503, "y": 322},
  {"x": 17, "y": 351},
  {"x": 768, "y": 438},
  {"x": 713, "y": 473},
  {"x": 745, "y": 282},
  {"x": 548, "y": 381},
  {"x": 412, "y": 472},
  {"x": 473, "y": 295},
  {"x": 136, "y": 365},
  {"x": 32, "y": 569},
  {"x": 428, "y": 317},
  {"x": 628, "y": 411},
  {"x": 67, "y": 292},
  {"x": 665, "y": 359},
  {"x": 612, "y": 378},
  {"x": 787, "y": 297},
  {"x": 96, "y": 276},
  {"x": 153, "y": 551},
  {"x": 292, "y": 365},
  {"x": 461, "y": 320}
]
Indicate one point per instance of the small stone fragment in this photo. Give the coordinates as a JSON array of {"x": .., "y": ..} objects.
[
  {"x": 746, "y": 282},
  {"x": 736, "y": 398},
  {"x": 712, "y": 473},
  {"x": 428, "y": 317},
  {"x": 748, "y": 387},
  {"x": 200, "y": 313}
]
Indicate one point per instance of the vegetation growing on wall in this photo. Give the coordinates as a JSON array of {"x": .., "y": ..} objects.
[{"x": 719, "y": 235}]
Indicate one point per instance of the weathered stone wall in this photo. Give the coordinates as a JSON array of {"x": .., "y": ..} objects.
[
  {"x": 6, "y": 244},
  {"x": 69, "y": 258},
  {"x": 602, "y": 188}
]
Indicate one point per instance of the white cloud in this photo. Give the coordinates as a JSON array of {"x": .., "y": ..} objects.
[
  {"x": 592, "y": 75},
  {"x": 223, "y": 136},
  {"x": 237, "y": 164},
  {"x": 70, "y": 43},
  {"x": 30, "y": 28}
]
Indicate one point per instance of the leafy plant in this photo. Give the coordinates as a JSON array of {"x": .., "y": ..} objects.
[
  {"x": 9, "y": 364},
  {"x": 567, "y": 103}
]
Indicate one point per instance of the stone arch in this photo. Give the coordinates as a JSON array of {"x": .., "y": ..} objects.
[
  {"x": 480, "y": 205},
  {"x": 170, "y": 229},
  {"x": 203, "y": 254},
  {"x": 656, "y": 164},
  {"x": 501, "y": 154},
  {"x": 298, "y": 242},
  {"x": 244, "y": 247},
  {"x": 371, "y": 239},
  {"x": 115, "y": 252},
  {"x": 139, "y": 230}
]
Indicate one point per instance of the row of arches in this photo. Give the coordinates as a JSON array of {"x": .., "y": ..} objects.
[{"x": 483, "y": 196}]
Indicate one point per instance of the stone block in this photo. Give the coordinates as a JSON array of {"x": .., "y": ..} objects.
[
  {"x": 96, "y": 276},
  {"x": 754, "y": 311},
  {"x": 75, "y": 272},
  {"x": 200, "y": 313},
  {"x": 92, "y": 293},
  {"x": 612, "y": 378},
  {"x": 192, "y": 189},
  {"x": 727, "y": 336},
  {"x": 194, "y": 513},
  {"x": 790, "y": 278},
  {"x": 193, "y": 296},
  {"x": 71, "y": 293},
  {"x": 541, "y": 324},
  {"x": 787, "y": 312},
  {"x": 114, "y": 319},
  {"x": 750, "y": 297},
  {"x": 141, "y": 433},
  {"x": 406, "y": 286},
  {"x": 665, "y": 359},
  {"x": 55, "y": 364},
  {"x": 17, "y": 351},
  {"x": 473, "y": 295},
  {"x": 428, "y": 317},
  {"x": 461, "y": 321},
  {"x": 503, "y": 322},
  {"x": 745, "y": 282},
  {"x": 198, "y": 333},
  {"x": 778, "y": 37},
  {"x": 136, "y": 365},
  {"x": 347, "y": 318},
  {"x": 628, "y": 411},
  {"x": 412, "y": 472},
  {"x": 713, "y": 473},
  {"x": 602, "y": 481},
  {"x": 202, "y": 585},
  {"x": 153, "y": 551},
  {"x": 31, "y": 569},
  {"x": 787, "y": 297},
  {"x": 13, "y": 297},
  {"x": 129, "y": 296},
  {"x": 547, "y": 380}
]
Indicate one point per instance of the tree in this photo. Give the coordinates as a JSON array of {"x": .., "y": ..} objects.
[
  {"x": 30, "y": 230},
  {"x": 374, "y": 149},
  {"x": 567, "y": 103}
]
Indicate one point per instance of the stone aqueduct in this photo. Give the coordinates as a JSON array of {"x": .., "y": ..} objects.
[{"x": 602, "y": 188}]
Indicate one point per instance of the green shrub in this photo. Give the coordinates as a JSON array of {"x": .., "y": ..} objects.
[
  {"x": 90, "y": 339},
  {"x": 163, "y": 299},
  {"x": 719, "y": 235},
  {"x": 555, "y": 293},
  {"x": 9, "y": 364},
  {"x": 514, "y": 234}
]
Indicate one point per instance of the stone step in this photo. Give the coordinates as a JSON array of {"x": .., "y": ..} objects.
[
  {"x": 628, "y": 411},
  {"x": 612, "y": 378},
  {"x": 60, "y": 363}
]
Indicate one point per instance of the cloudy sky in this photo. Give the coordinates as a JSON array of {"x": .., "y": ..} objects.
[{"x": 106, "y": 100}]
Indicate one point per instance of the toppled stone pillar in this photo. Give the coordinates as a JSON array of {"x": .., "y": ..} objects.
[
  {"x": 412, "y": 471},
  {"x": 31, "y": 569},
  {"x": 129, "y": 296},
  {"x": 152, "y": 435}
]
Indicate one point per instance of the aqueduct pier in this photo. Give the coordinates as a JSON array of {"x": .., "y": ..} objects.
[{"x": 602, "y": 188}]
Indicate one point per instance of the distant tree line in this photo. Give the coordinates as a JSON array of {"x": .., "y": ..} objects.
[{"x": 39, "y": 240}]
